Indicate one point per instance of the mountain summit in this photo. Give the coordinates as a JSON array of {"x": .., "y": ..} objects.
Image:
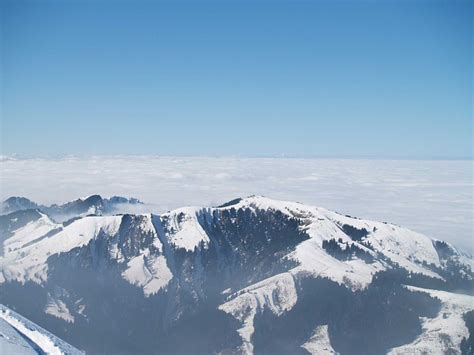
[{"x": 254, "y": 275}]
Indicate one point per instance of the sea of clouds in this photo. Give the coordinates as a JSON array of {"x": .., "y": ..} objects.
[{"x": 432, "y": 197}]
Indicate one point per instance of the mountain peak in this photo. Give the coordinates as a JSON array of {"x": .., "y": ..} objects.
[
  {"x": 93, "y": 199},
  {"x": 17, "y": 203}
]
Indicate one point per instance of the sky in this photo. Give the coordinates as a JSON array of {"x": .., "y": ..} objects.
[
  {"x": 377, "y": 79},
  {"x": 432, "y": 197}
]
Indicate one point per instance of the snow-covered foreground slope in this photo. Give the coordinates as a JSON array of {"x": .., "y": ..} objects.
[
  {"x": 19, "y": 336},
  {"x": 237, "y": 268}
]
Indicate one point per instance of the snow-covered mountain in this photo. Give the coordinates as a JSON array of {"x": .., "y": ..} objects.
[
  {"x": 19, "y": 336},
  {"x": 93, "y": 204},
  {"x": 17, "y": 203},
  {"x": 254, "y": 275}
]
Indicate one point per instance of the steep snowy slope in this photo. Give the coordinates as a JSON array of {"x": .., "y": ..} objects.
[
  {"x": 28, "y": 233},
  {"x": 19, "y": 336},
  {"x": 28, "y": 261}
]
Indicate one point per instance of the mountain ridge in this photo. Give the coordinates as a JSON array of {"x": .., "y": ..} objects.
[
  {"x": 252, "y": 259},
  {"x": 92, "y": 204}
]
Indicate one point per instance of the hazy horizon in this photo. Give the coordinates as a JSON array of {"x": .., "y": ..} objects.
[
  {"x": 398, "y": 191},
  {"x": 14, "y": 156}
]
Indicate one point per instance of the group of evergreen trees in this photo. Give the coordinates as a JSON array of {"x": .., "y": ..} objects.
[{"x": 345, "y": 251}]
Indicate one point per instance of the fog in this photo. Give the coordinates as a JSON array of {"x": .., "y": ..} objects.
[{"x": 432, "y": 197}]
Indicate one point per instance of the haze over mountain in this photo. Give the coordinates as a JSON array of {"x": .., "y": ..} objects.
[
  {"x": 93, "y": 204},
  {"x": 254, "y": 275},
  {"x": 432, "y": 197}
]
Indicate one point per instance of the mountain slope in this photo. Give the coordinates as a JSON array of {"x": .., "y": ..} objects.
[
  {"x": 19, "y": 336},
  {"x": 231, "y": 278},
  {"x": 446, "y": 330}
]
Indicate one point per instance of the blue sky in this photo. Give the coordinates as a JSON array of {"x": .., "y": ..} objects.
[{"x": 385, "y": 79}]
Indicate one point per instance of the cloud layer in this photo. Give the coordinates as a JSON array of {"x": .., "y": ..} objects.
[{"x": 432, "y": 197}]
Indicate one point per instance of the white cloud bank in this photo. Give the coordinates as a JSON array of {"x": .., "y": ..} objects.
[{"x": 432, "y": 197}]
